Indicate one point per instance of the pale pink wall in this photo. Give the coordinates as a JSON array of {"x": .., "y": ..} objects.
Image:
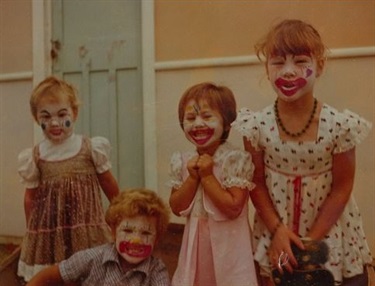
[
  {"x": 207, "y": 29},
  {"x": 16, "y": 125},
  {"x": 15, "y": 36}
]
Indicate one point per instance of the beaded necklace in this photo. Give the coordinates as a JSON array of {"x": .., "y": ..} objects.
[{"x": 304, "y": 129}]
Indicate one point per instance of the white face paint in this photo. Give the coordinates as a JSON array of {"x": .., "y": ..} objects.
[
  {"x": 203, "y": 126},
  {"x": 292, "y": 76},
  {"x": 56, "y": 118},
  {"x": 135, "y": 238}
]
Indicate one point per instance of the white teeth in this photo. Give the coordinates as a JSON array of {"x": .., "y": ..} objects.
[{"x": 288, "y": 87}]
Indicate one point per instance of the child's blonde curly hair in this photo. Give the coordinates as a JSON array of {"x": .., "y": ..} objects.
[
  {"x": 138, "y": 202},
  {"x": 54, "y": 87}
]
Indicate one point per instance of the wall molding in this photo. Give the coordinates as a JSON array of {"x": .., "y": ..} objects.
[
  {"x": 17, "y": 76},
  {"x": 357, "y": 52},
  {"x": 253, "y": 60}
]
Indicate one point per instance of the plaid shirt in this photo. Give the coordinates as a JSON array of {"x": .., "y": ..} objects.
[{"x": 101, "y": 266}]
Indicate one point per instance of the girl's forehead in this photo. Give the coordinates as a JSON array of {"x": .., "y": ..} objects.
[
  {"x": 196, "y": 105},
  {"x": 49, "y": 98}
]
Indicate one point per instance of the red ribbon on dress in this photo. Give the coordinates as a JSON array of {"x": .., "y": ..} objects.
[{"x": 297, "y": 182}]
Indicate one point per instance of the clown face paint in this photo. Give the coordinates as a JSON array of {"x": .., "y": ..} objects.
[
  {"x": 135, "y": 238},
  {"x": 203, "y": 126},
  {"x": 56, "y": 118},
  {"x": 292, "y": 76}
]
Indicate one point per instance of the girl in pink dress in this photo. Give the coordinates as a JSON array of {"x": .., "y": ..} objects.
[
  {"x": 210, "y": 187},
  {"x": 63, "y": 175}
]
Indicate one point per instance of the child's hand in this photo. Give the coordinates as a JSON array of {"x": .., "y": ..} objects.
[
  {"x": 205, "y": 165},
  {"x": 193, "y": 167}
]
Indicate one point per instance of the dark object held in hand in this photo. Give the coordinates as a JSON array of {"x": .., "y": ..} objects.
[{"x": 310, "y": 271}]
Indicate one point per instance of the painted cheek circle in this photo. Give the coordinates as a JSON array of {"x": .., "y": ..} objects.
[
  {"x": 67, "y": 123},
  {"x": 43, "y": 125},
  {"x": 135, "y": 249},
  {"x": 309, "y": 72},
  {"x": 290, "y": 87}
]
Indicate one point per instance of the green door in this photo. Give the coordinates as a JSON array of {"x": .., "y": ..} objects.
[{"x": 97, "y": 47}]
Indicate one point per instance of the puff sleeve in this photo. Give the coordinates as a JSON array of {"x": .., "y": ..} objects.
[
  {"x": 247, "y": 125},
  {"x": 27, "y": 169},
  {"x": 238, "y": 170},
  {"x": 351, "y": 129},
  {"x": 175, "y": 171},
  {"x": 101, "y": 154}
]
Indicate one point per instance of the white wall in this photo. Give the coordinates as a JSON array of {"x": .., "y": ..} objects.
[
  {"x": 347, "y": 83},
  {"x": 16, "y": 133}
]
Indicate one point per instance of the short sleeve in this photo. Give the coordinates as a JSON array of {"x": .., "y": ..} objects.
[
  {"x": 247, "y": 125},
  {"x": 101, "y": 154},
  {"x": 27, "y": 169},
  {"x": 175, "y": 171},
  {"x": 351, "y": 129},
  {"x": 238, "y": 170},
  {"x": 77, "y": 266}
]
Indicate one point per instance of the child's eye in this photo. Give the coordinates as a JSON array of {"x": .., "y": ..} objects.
[
  {"x": 63, "y": 114},
  {"x": 302, "y": 59},
  {"x": 276, "y": 63},
  {"x": 45, "y": 117},
  {"x": 206, "y": 116},
  {"x": 127, "y": 230},
  {"x": 147, "y": 233},
  {"x": 190, "y": 118}
]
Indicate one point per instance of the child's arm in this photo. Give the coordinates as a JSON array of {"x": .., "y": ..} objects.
[
  {"x": 343, "y": 171},
  {"x": 230, "y": 201},
  {"x": 282, "y": 236},
  {"x": 109, "y": 184},
  {"x": 29, "y": 203},
  {"x": 49, "y": 276},
  {"x": 182, "y": 197}
]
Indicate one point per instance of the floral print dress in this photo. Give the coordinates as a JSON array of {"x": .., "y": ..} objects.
[
  {"x": 68, "y": 215},
  {"x": 299, "y": 178}
]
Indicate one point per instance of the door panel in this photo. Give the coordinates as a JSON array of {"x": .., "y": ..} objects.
[{"x": 97, "y": 47}]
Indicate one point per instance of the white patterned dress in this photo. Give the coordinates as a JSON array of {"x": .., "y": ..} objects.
[{"x": 301, "y": 172}]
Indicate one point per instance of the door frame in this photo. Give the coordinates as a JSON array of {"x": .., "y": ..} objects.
[{"x": 42, "y": 33}]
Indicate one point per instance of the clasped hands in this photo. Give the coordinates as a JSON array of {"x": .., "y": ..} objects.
[{"x": 200, "y": 166}]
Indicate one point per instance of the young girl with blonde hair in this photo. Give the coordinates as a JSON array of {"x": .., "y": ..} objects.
[{"x": 63, "y": 175}]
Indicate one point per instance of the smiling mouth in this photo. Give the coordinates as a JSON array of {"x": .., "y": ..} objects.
[
  {"x": 135, "y": 249},
  {"x": 201, "y": 136},
  {"x": 289, "y": 88}
]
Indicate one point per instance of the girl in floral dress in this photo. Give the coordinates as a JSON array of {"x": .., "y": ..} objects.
[
  {"x": 63, "y": 175},
  {"x": 210, "y": 188},
  {"x": 304, "y": 156}
]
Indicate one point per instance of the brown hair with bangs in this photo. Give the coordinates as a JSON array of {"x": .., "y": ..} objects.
[
  {"x": 53, "y": 87},
  {"x": 138, "y": 202},
  {"x": 219, "y": 98},
  {"x": 291, "y": 37}
]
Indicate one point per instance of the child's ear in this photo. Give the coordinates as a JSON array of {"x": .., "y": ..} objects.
[{"x": 320, "y": 66}]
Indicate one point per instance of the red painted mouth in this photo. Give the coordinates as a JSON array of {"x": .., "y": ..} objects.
[
  {"x": 201, "y": 136},
  {"x": 56, "y": 132},
  {"x": 135, "y": 249},
  {"x": 290, "y": 87}
]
